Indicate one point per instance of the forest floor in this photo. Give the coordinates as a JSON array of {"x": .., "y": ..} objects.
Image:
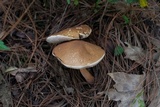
[{"x": 42, "y": 81}]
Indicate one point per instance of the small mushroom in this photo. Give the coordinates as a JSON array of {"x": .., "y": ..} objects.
[
  {"x": 79, "y": 54},
  {"x": 76, "y": 32}
]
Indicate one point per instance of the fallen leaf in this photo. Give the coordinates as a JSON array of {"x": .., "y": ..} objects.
[
  {"x": 128, "y": 88},
  {"x": 134, "y": 53},
  {"x": 12, "y": 70},
  {"x": 155, "y": 42},
  {"x": 127, "y": 82},
  {"x": 20, "y": 73},
  {"x": 20, "y": 77},
  {"x": 128, "y": 99},
  {"x": 69, "y": 90}
]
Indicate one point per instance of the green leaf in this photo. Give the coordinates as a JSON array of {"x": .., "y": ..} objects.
[
  {"x": 3, "y": 46},
  {"x": 131, "y": 1},
  {"x": 98, "y": 2},
  {"x": 141, "y": 103},
  {"x": 97, "y": 6},
  {"x": 126, "y": 19},
  {"x": 76, "y": 2},
  {"x": 139, "y": 100},
  {"x": 68, "y": 1},
  {"x": 143, "y": 3},
  {"x": 118, "y": 50},
  {"x": 139, "y": 94}
]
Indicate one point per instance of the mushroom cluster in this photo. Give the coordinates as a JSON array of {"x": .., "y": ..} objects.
[{"x": 76, "y": 54}]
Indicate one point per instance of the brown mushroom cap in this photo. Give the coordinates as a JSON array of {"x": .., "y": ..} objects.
[
  {"x": 76, "y": 32},
  {"x": 78, "y": 54}
]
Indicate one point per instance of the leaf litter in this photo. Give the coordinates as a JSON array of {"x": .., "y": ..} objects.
[
  {"x": 126, "y": 88},
  {"x": 45, "y": 89},
  {"x": 134, "y": 53},
  {"x": 20, "y": 73}
]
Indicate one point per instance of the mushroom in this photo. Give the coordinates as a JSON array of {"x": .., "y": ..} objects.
[
  {"x": 76, "y": 32},
  {"x": 79, "y": 54}
]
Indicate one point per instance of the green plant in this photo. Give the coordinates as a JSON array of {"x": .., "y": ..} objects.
[
  {"x": 118, "y": 50},
  {"x": 68, "y": 1},
  {"x": 76, "y": 2},
  {"x": 126, "y": 19},
  {"x": 97, "y": 6},
  {"x": 139, "y": 100},
  {"x": 143, "y": 3},
  {"x": 3, "y": 46}
]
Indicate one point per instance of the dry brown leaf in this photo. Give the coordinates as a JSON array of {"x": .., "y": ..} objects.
[
  {"x": 20, "y": 77},
  {"x": 20, "y": 73},
  {"x": 155, "y": 42},
  {"x": 134, "y": 53},
  {"x": 127, "y": 82},
  {"x": 69, "y": 90},
  {"x": 127, "y": 87},
  {"x": 12, "y": 70},
  {"x": 126, "y": 98}
]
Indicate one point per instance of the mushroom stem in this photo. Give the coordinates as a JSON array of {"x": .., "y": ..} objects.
[{"x": 89, "y": 78}]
